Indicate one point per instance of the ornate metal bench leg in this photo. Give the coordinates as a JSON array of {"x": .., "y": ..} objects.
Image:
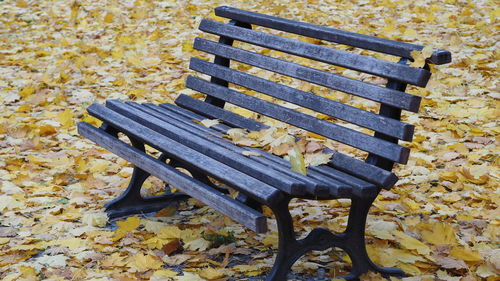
[
  {"x": 131, "y": 201},
  {"x": 287, "y": 245},
  {"x": 355, "y": 243}
]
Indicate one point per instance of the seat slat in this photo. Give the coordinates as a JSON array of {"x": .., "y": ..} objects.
[
  {"x": 212, "y": 111},
  {"x": 193, "y": 116},
  {"x": 371, "y": 65},
  {"x": 336, "y": 188},
  {"x": 290, "y": 184},
  {"x": 337, "y": 82},
  {"x": 253, "y": 187},
  {"x": 345, "y": 163},
  {"x": 238, "y": 211},
  {"x": 388, "y": 126},
  {"x": 368, "y": 42},
  {"x": 217, "y": 140},
  {"x": 350, "y": 137}
]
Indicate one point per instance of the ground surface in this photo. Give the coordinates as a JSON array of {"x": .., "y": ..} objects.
[{"x": 58, "y": 57}]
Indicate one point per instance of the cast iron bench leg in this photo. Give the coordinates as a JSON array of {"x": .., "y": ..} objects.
[
  {"x": 355, "y": 244},
  {"x": 131, "y": 201},
  {"x": 352, "y": 240}
]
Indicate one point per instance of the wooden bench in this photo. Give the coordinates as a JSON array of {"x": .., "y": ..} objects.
[{"x": 268, "y": 179}]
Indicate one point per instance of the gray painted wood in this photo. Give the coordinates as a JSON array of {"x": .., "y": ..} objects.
[
  {"x": 293, "y": 185},
  {"x": 345, "y": 163},
  {"x": 204, "y": 142},
  {"x": 388, "y": 126},
  {"x": 191, "y": 115},
  {"x": 333, "y": 131},
  {"x": 368, "y": 42},
  {"x": 337, "y": 82},
  {"x": 330, "y": 187},
  {"x": 362, "y": 170},
  {"x": 236, "y": 210},
  {"x": 214, "y": 112},
  {"x": 371, "y": 65},
  {"x": 255, "y": 188}
]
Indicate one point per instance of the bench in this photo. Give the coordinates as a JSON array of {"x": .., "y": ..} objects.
[{"x": 174, "y": 130}]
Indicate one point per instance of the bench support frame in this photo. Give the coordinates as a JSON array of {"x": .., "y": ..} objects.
[
  {"x": 131, "y": 202},
  {"x": 352, "y": 241}
]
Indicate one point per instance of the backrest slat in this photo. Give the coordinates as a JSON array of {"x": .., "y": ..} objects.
[
  {"x": 323, "y": 78},
  {"x": 386, "y": 69},
  {"x": 342, "y": 134},
  {"x": 373, "y": 43},
  {"x": 329, "y": 107}
]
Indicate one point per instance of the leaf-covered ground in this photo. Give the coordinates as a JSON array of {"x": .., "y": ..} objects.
[{"x": 57, "y": 57}]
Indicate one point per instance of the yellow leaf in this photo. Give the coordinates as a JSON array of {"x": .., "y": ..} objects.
[
  {"x": 109, "y": 18},
  {"x": 199, "y": 244},
  {"x": 409, "y": 32},
  {"x": 171, "y": 232},
  {"x": 250, "y": 153},
  {"x": 28, "y": 91},
  {"x": 188, "y": 276},
  {"x": 155, "y": 242},
  {"x": 411, "y": 243},
  {"x": 4, "y": 240},
  {"x": 65, "y": 118},
  {"x": 99, "y": 219},
  {"x": 164, "y": 273},
  {"x": 271, "y": 240},
  {"x": 211, "y": 273},
  {"x": 128, "y": 225},
  {"x": 465, "y": 254},
  {"x": 297, "y": 159},
  {"x": 419, "y": 57},
  {"x": 71, "y": 243},
  {"x": 438, "y": 233},
  {"x": 28, "y": 272},
  {"x": 209, "y": 122},
  {"x": 141, "y": 262},
  {"x": 317, "y": 158}
]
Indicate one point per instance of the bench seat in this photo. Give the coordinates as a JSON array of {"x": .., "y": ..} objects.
[{"x": 257, "y": 175}]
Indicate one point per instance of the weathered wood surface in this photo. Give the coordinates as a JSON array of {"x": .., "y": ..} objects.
[
  {"x": 214, "y": 112},
  {"x": 369, "y": 120},
  {"x": 253, "y": 187},
  {"x": 396, "y": 48},
  {"x": 335, "y": 188},
  {"x": 333, "y": 81},
  {"x": 348, "y": 164},
  {"x": 241, "y": 213},
  {"x": 327, "y": 129},
  {"x": 289, "y": 182},
  {"x": 371, "y": 65}
]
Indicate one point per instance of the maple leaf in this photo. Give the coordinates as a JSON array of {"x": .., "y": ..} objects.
[{"x": 126, "y": 226}]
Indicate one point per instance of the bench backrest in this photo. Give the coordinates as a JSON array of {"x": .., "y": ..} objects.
[{"x": 383, "y": 147}]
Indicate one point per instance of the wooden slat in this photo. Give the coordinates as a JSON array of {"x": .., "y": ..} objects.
[
  {"x": 368, "y": 42},
  {"x": 371, "y": 65},
  {"x": 255, "y": 188},
  {"x": 322, "y": 188},
  {"x": 345, "y": 163},
  {"x": 212, "y": 111},
  {"x": 350, "y": 137},
  {"x": 193, "y": 116},
  {"x": 288, "y": 181},
  {"x": 332, "y": 187},
  {"x": 388, "y": 126},
  {"x": 362, "y": 170},
  {"x": 194, "y": 188},
  {"x": 337, "y": 82}
]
